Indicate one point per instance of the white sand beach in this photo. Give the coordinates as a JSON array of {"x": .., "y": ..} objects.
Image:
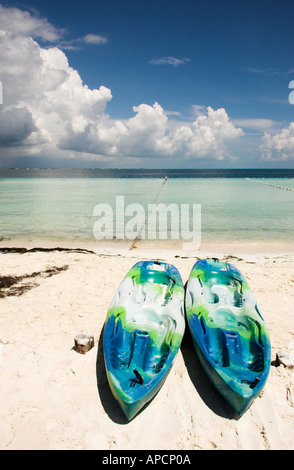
[{"x": 55, "y": 398}]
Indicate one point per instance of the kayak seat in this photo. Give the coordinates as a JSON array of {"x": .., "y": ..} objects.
[
  {"x": 233, "y": 343},
  {"x": 141, "y": 346},
  {"x": 157, "y": 352},
  {"x": 224, "y": 294},
  {"x": 151, "y": 293}
]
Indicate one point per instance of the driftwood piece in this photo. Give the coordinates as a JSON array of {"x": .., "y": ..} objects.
[{"x": 83, "y": 343}]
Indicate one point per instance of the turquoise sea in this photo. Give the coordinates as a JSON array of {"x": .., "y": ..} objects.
[{"x": 58, "y": 204}]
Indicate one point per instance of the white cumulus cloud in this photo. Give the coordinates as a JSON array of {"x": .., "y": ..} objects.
[
  {"x": 15, "y": 126},
  {"x": 147, "y": 134},
  {"x": 207, "y": 135},
  {"x": 48, "y": 110},
  {"x": 279, "y": 146},
  {"x": 49, "y": 92},
  {"x": 24, "y": 23}
]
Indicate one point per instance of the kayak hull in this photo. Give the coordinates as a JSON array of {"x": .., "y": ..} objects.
[
  {"x": 228, "y": 332},
  {"x": 143, "y": 331}
]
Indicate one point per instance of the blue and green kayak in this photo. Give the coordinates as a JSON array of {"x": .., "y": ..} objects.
[
  {"x": 228, "y": 331},
  {"x": 143, "y": 331}
]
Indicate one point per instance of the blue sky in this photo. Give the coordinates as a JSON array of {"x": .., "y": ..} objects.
[
  {"x": 239, "y": 52},
  {"x": 186, "y": 56}
]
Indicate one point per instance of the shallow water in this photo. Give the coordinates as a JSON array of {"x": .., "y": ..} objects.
[{"x": 59, "y": 204}]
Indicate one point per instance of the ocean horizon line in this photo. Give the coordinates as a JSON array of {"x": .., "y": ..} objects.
[
  {"x": 148, "y": 172},
  {"x": 143, "y": 168}
]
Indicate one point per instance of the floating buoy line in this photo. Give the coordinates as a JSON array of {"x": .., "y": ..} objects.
[{"x": 270, "y": 184}]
